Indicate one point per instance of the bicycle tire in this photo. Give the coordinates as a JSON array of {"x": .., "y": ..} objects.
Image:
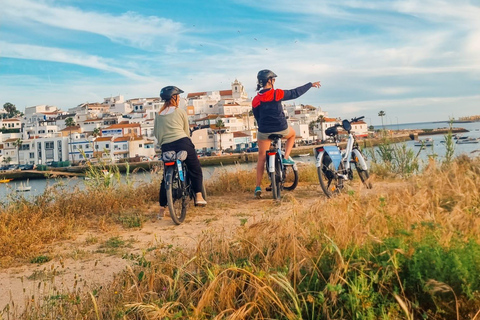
[
  {"x": 204, "y": 191},
  {"x": 290, "y": 178},
  {"x": 276, "y": 179},
  {"x": 328, "y": 176},
  {"x": 177, "y": 197},
  {"x": 363, "y": 174}
]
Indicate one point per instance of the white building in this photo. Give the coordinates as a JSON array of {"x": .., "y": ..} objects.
[
  {"x": 229, "y": 102},
  {"x": 117, "y": 105},
  {"x": 12, "y": 123}
]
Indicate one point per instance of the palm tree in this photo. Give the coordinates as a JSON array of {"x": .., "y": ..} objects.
[
  {"x": 69, "y": 122},
  {"x": 18, "y": 143},
  {"x": 382, "y": 114},
  {"x": 96, "y": 133},
  {"x": 220, "y": 129}
]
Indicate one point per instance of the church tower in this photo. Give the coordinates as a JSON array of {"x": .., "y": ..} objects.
[{"x": 238, "y": 91}]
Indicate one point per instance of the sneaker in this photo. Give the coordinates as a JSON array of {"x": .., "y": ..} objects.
[
  {"x": 201, "y": 203},
  {"x": 288, "y": 162},
  {"x": 258, "y": 192},
  {"x": 269, "y": 188}
]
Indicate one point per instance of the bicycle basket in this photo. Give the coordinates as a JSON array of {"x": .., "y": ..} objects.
[
  {"x": 332, "y": 131},
  {"x": 182, "y": 155},
  {"x": 169, "y": 156}
]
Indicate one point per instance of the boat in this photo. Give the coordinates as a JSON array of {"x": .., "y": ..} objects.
[
  {"x": 468, "y": 140},
  {"x": 23, "y": 187},
  {"x": 427, "y": 142},
  {"x": 460, "y": 137},
  {"x": 7, "y": 180}
]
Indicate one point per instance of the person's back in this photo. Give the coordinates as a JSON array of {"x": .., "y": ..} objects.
[
  {"x": 268, "y": 111},
  {"x": 171, "y": 126}
]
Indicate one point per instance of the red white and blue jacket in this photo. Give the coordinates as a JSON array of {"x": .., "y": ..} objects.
[{"x": 268, "y": 110}]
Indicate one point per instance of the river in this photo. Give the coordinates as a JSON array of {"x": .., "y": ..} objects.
[{"x": 8, "y": 190}]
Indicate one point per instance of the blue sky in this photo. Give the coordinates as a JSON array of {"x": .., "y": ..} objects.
[{"x": 418, "y": 60}]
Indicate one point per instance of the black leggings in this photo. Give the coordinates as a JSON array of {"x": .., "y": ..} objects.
[{"x": 193, "y": 165}]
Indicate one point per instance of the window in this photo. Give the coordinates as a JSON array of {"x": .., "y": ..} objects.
[
  {"x": 107, "y": 146},
  {"x": 140, "y": 145},
  {"x": 124, "y": 147},
  {"x": 32, "y": 155},
  {"x": 49, "y": 145}
]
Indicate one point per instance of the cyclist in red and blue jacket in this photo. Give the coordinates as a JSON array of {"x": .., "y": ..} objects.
[{"x": 268, "y": 112}]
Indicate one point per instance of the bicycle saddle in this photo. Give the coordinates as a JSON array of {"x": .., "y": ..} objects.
[
  {"x": 275, "y": 136},
  {"x": 169, "y": 156},
  {"x": 182, "y": 155}
]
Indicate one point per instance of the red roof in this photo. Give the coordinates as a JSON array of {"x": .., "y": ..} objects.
[
  {"x": 103, "y": 139},
  {"x": 124, "y": 125},
  {"x": 225, "y": 92},
  {"x": 239, "y": 134},
  {"x": 196, "y": 94}
]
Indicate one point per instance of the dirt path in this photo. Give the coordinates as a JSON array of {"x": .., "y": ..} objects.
[{"x": 93, "y": 258}]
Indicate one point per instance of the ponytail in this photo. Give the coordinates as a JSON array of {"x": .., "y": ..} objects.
[
  {"x": 259, "y": 86},
  {"x": 167, "y": 104}
]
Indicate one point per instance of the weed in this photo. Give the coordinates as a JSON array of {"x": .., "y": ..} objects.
[{"x": 40, "y": 259}]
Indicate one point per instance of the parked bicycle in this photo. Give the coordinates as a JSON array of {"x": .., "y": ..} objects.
[
  {"x": 334, "y": 166},
  {"x": 282, "y": 177},
  {"x": 177, "y": 184}
]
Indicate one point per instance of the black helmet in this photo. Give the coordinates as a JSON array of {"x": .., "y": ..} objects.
[
  {"x": 264, "y": 75},
  {"x": 168, "y": 92}
]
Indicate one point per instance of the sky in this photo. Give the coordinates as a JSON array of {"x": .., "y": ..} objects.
[{"x": 416, "y": 60}]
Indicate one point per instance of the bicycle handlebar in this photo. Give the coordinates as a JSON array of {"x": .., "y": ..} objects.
[{"x": 357, "y": 119}]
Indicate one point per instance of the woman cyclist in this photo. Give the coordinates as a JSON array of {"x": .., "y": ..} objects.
[
  {"x": 268, "y": 111},
  {"x": 172, "y": 131}
]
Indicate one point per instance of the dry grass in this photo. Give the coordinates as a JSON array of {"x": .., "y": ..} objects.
[
  {"x": 27, "y": 227},
  {"x": 318, "y": 263}
]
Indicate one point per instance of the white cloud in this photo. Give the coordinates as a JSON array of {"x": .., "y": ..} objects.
[
  {"x": 25, "y": 51},
  {"x": 130, "y": 27}
]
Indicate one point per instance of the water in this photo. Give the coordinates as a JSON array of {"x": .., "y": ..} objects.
[{"x": 438, "y": 148}]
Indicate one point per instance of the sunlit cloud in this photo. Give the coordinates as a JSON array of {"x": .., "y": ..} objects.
[
  {"x": 130, "y": 27},
  {"x": 31, "y": 52}
]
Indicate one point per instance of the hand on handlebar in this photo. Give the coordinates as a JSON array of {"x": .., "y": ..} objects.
[{"x": 316, "y": 84}]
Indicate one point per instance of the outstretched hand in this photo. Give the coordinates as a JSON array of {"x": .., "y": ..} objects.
[{"x": 316, "y": 84}]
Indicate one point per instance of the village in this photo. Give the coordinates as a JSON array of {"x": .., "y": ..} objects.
[{"x": 119, "y": 130}]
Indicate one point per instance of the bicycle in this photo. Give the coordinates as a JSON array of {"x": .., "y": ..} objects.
[
  {"x": 334, "y": 166},
  {"x": 177, "y": 184},
  {"x": 282, "y": 177}
]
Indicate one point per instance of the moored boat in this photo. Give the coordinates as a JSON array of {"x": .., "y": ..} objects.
[
  {"x": 23, "y": 187},
  {"x": 5, "y": 180},
  {"x": 427, "y": 142},
  {"x": 468, "y": 140}
]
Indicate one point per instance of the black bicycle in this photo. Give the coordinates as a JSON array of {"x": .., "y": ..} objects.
[
  {"x": 282, "y": 177},
  {"x": 177, "y": 184}
]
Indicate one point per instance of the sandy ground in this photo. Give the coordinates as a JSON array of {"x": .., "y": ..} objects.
[{"x": 85, "y": 262}]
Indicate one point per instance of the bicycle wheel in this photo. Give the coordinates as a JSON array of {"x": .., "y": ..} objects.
[
  {"x": 363, "y": 174},
  {"x": 290, "y": 176},
  {"x": 328, "y": 176},
  {"x": 275, "y": 179},
  {"x": 177, "y": 196},
  {"x": 204, "y": 191}
]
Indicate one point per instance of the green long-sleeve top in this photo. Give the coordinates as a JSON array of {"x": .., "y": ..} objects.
[{"x": 171, "y": 127}]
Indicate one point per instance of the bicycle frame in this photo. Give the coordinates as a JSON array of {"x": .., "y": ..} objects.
[{"x": 275, "y": 149}]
